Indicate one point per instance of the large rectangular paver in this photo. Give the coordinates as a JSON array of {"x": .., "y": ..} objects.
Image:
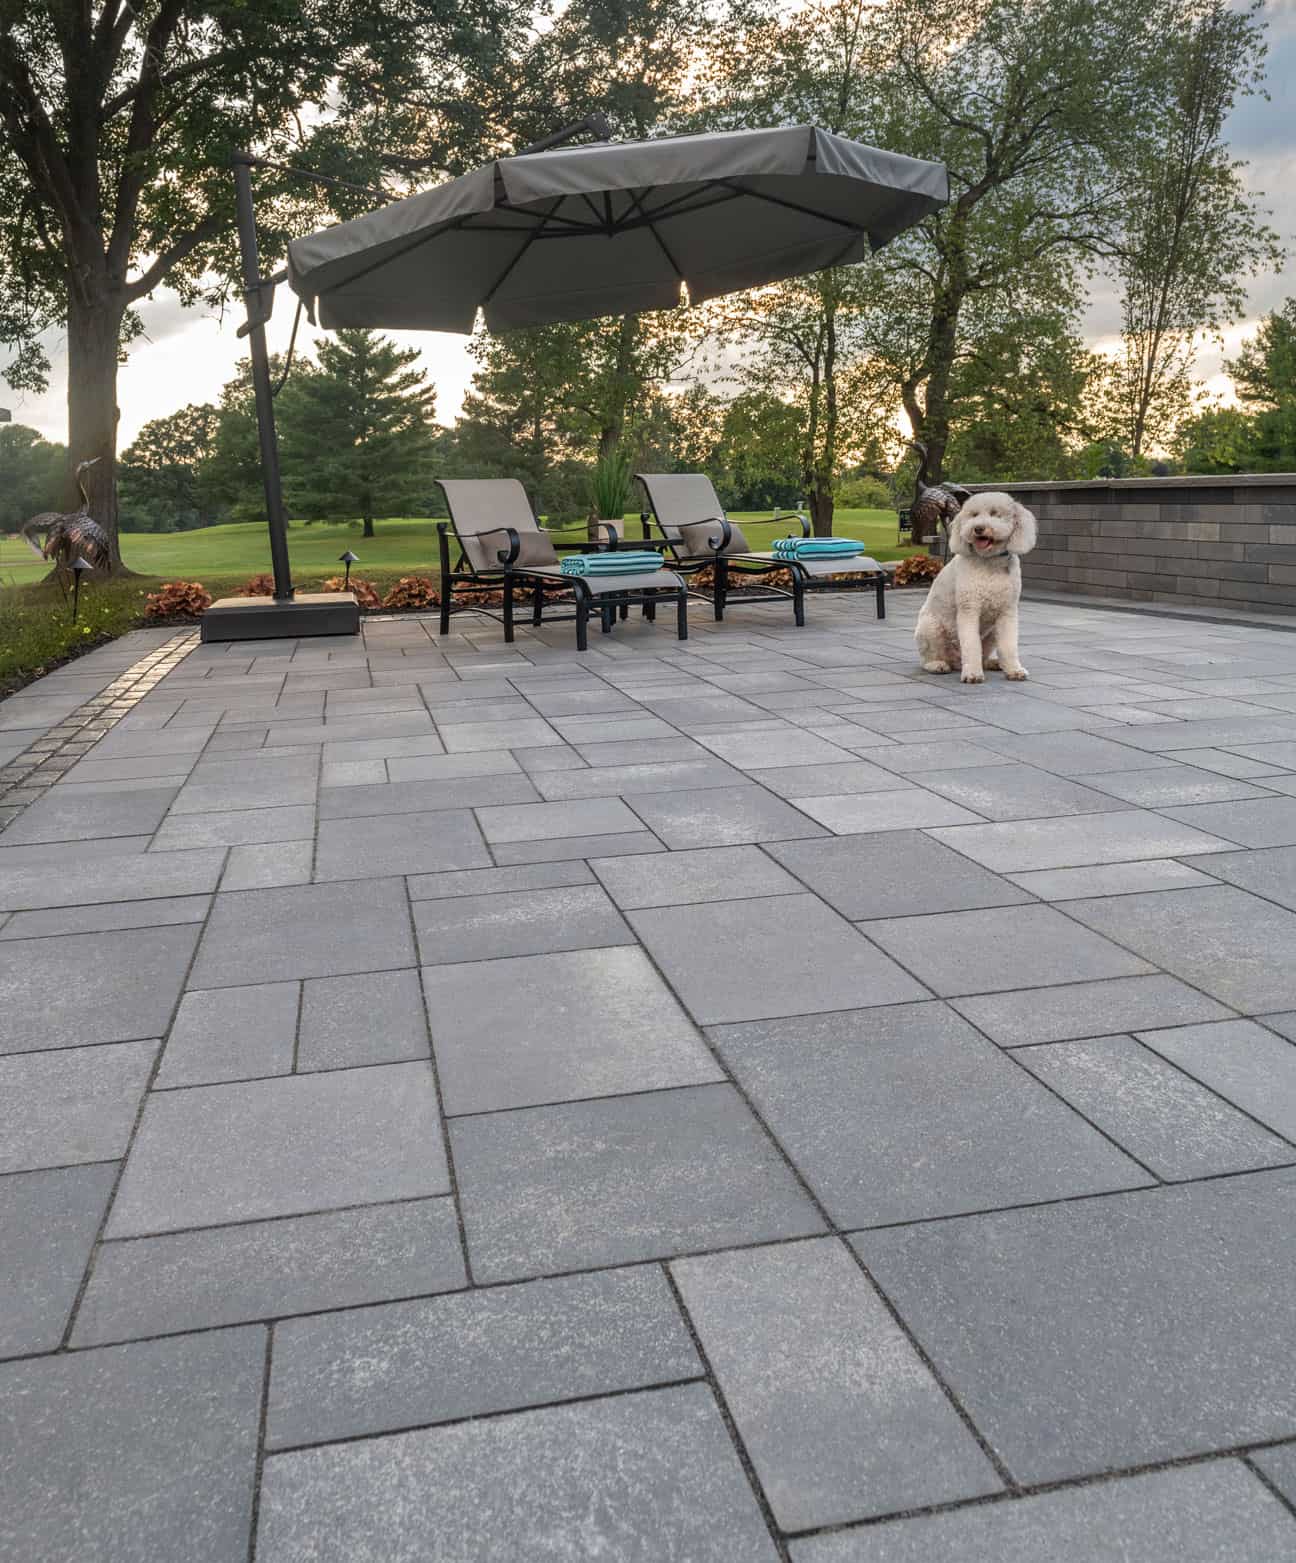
[
  {"x": 751, "y": 960},
  {"x": 82, "y": 988},
  {"x": 1236, "y": 947},
  {"x": 234, "y": 828},
  {"x": 373, "y": 1370},
  {"x": 702, "y": 874},
  {"x": 907, "y": 808},
  {"x": 643, "y": 1478},
  {"x": 402, "y": 844},
  {"x": 539, "y": 821},
  {"x": 1000, "y": 949},
  {"x": 621, "y": 1180},
  {"x": 552, "y": 1028},
  {"x": 65, "y": 815},
  {"x": 425, "y": 796},
  {"x": 1264, "y": 822},
  {"x": 304, "y": 931},
  {"x": 1121, "y": 837},
  {"x": 1172, "y": 784},
  {"x": 721, "y": 817},
  {"x": 48, "y": 1224},
  {"x": 227, "y": 1153},
  {"x": 1243, "y": 1062},
  {"x": 1012, "y": 791},
  {"x": 1087, "y": 1009},
  {"x": 1198, "y": 1514},
  {"x": 902, "y": 1114},
  {"x": 70, "y": 1105},
  {"x": 528, "y": 922},
  {"x": 893, "y": 875},
  {"x": 134, "y": 1453},
  {"x": 117, "y": 878},
  {"x": 1109, "y": 1332},
  {"x": 1170, "y": 1123},
  {"x": 264, "y": 1269},
  {"x": 371, "y": 1018},
  {"x": 231, "y": 1034},
  {"x": 839, "y": 1415}
]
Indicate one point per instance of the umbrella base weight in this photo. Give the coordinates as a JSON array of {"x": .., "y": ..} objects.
[{"x": 262, "y": 618}]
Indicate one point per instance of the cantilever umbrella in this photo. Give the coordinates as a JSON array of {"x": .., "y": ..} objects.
[
  {"x": 563, "y": 232},
  {"x": 608, "y": 229}
]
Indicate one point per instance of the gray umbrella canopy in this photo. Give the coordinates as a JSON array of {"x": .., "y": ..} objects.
[{"x": 613, "y": 229}]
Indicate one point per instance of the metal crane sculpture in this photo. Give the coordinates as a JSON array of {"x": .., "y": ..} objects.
[
  {"x": 71, "y": 535},
  {"x": 934, "y": 506}
]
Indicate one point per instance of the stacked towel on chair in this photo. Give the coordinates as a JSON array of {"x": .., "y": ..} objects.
[
  {"x": 621, "y": 561},
  {"x": 816, "y": 548}
]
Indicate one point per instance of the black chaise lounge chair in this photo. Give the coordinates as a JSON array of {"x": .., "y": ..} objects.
[
  {"x": 501, "y": 547},
  {"x": 697, "y": 533}
]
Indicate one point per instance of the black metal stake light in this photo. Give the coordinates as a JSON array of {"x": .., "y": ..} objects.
[
  {"x": 348, "y": 559},
  {"x": 79, "y": 568}
]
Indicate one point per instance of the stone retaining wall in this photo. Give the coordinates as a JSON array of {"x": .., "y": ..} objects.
[{"x": 1221, "y": 542}]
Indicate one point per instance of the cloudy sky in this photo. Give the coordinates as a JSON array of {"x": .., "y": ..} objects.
[{"x": 187, "y": 355}]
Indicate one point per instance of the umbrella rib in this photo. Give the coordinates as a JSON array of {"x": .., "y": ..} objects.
[
  {"x": 793, "y": 206},
  {"x": 636, "y": 200},
  {"x": 521, "y": 251}
]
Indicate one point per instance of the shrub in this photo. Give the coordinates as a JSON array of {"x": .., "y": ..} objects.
[
  {"x": 259, "y": 586},
  {"x": 366, "y": 593},
  {"x": 864, "y": 494},
  {"x": 916, "y": 569},
  {"x": 177, "y": 600},
  {"x": 412, "y": 591}
]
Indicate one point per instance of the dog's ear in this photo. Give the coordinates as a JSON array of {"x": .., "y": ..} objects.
[
  {"x": 1025, "y": 529},
  {"x": 954, "y": 531}
]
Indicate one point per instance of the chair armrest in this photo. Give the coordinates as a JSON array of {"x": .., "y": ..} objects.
[
  {"x": 606, "y": 526},
  {"x": 805, "y": 525},
  {"x": 720, "y": 543},
  {"x": 505, "y": 556}
]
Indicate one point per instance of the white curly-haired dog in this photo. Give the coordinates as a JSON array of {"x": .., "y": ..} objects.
[{"x": 969, "y": 620}]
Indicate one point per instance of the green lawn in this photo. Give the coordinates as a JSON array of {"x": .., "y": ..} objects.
[{"x": 223, "y": 557}]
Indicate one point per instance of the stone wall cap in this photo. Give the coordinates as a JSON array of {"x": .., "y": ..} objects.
[{"x": 1140, "y": 485}]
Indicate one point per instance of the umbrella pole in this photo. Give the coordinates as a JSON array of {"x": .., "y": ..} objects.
[{"x": 258, "y": 293}]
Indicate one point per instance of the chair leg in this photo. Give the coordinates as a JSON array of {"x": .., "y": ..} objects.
[
  {"x": 607, "y": 614},
  {"x": 650, "y": 610},
  {"x": 508, "y": 610},
  {"x": 625, "y": 612},
  {"x": 881, "y": 596},
  {"x": 719, "y": 587},
  {"x": 537, "y": 604},
  {"x": 582, "y": 622},
  {"x": 798, "y": 598},
  {"x": 681, "y": 615},
  {"x": 446, "y": 589}
]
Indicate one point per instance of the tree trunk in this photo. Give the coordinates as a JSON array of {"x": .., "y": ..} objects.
[
  {"x": 615, "y": 412},
  {"x": 821, "y": 509},
  {"x": 94, "y": 328}
]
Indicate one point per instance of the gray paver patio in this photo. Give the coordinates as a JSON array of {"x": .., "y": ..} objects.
[{"x": 462, "y": 1101}]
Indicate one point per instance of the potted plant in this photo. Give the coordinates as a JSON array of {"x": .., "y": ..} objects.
[{"x": 609, "y": 491}]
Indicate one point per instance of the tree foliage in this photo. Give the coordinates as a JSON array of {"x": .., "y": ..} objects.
[
  {"x": 1193, "y": 234},
  {"x": 117, "y": 121},
  {"x": 163, "y": 473},
  {"x": 31, "y": 474}
]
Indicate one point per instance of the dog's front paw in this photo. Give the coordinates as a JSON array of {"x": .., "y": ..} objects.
[
  {"x": 992, "y": 664},
  {"x": 935, "y": 667},
  {"x": 1018, "y": 675},
  {"x": 969, "y": 677}
]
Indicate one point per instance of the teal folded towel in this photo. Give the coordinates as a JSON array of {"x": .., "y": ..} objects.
[
  {"x": 621, "y": 562},
  {"x": 817, "y": 548}
]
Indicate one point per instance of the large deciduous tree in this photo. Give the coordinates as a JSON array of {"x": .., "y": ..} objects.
[
  {"x": 1193, "y": 233},
  {"x": 357, "y": 431},
  {"x": 117, "y": 121}
]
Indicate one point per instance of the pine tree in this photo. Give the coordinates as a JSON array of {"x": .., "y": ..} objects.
[{"x": 357, "y": 431}]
